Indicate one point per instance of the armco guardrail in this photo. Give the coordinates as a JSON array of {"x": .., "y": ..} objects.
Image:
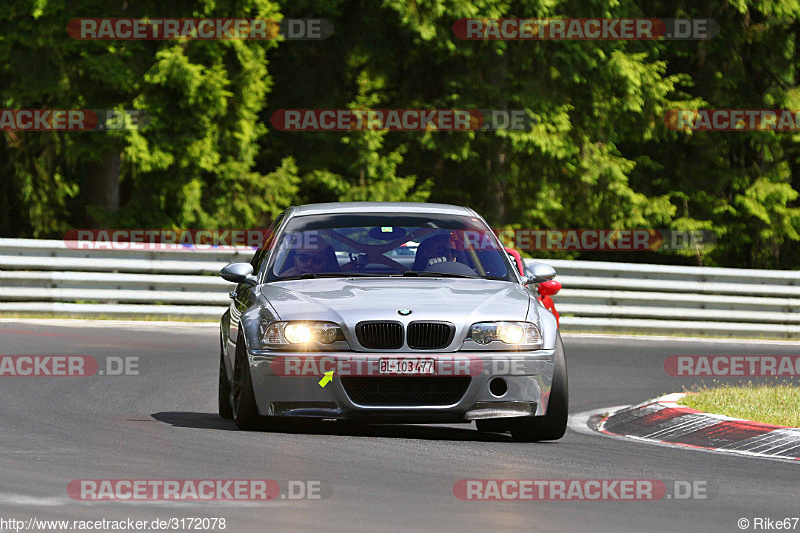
[
  {"x": 41, "y": 276},
  {"x": 599, "y": 296}
]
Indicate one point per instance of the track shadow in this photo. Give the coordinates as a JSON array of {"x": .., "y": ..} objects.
[
  {"x": 195, "y": 420},
  {"x": 339, "y": 427}
]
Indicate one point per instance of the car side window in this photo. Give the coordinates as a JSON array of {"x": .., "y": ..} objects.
[{"x": 266, "y": 244}]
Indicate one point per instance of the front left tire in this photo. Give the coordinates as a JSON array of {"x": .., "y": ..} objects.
[
  {"x": 224, "y": 389},
  {"x": 243, "y": 400},
  {"x": 553, "y": 424}
]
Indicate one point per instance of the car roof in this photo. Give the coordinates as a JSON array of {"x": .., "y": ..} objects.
[{"x": 380, "y": 207}]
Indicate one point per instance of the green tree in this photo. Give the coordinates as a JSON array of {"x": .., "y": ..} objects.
[{"x": 193, "y": 165}]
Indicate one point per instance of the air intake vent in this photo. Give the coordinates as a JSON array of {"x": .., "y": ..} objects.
[
  {"x": 380, "y": 335},
  {"x": 405, "y": 390},
  {"x": 430, "y": 335}
]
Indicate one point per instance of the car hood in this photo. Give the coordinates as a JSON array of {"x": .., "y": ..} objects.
[{"x": 348, "y": 301}]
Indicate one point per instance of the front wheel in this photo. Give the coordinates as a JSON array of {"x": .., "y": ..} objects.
[
  {"x": 224, "y": 394},
  {"x": 552, "y": 425},
  {"x": 245, "y": 412}
]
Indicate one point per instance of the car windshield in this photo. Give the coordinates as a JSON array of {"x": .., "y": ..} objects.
[{"x": 412, "y": 245}]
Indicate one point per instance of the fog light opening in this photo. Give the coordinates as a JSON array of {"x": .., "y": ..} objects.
[{"x": 498, "y": 387}]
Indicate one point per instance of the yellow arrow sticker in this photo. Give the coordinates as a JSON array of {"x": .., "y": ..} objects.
[{"x": 328, "y": 377}]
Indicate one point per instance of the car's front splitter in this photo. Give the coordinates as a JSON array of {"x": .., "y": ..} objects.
[{"x": 495, "y": 385}]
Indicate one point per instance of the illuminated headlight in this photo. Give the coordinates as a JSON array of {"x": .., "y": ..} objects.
[
  {"x": 282, "y": 333},
  {"x": 515, "y": 333},
  {"x": 297, "y": 333}
]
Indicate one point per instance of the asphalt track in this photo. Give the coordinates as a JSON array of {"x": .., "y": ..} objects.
[{"x": 162, "y": 424}]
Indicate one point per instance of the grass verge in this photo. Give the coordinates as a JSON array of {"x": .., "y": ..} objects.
[{"x": 771, "y": 404}]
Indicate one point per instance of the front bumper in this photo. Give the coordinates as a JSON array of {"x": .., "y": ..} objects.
[{"x": 527, "y": 375}]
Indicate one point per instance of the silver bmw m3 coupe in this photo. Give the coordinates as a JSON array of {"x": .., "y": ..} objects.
[{"x": 387, "y": 312}]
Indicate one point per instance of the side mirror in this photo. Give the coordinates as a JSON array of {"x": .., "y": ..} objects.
[
  {"x": 549, "y": 288},
  {"x": 239, "y": 273},
  {"x": 538, "y": 273}
]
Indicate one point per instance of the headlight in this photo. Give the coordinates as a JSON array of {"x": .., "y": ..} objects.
[
  {"x": 283, "y": 333},
  {"x": 297, "y": 333},
  {"x": 514, "y": 333}
]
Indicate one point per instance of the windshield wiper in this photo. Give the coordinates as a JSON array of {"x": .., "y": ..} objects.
[
  {"x": 312, "y": 275},
  {"x": 414, "y": 274}
]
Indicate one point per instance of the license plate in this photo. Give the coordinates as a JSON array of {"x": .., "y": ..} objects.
[{"x": 406, "y": 366}]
